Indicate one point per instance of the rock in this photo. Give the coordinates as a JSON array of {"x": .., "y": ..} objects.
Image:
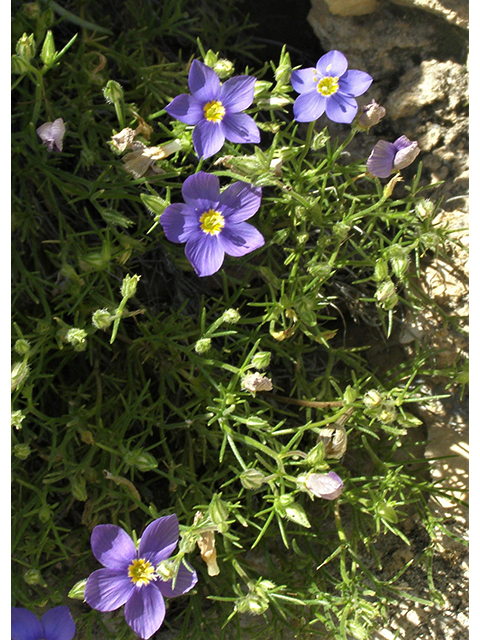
[
  {"x": 454, "y": 11},
  {"x": 352, "y": 7}
]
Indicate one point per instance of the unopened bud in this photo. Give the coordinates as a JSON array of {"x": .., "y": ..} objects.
[
  {"x": 372, "y": 399},
  {"x": 231, "y": 316},
  {"x": 324, "y": 485},
  {"x": 218, "y": 511},
  {"x": 77, "y": 592},
  {"x": 203, "y": 345},
  {"x": 252, "y": 478},
  {"x": 261, "y": 360},
  {"x": 166, "y": 570},
  {"x": 77, "y": 338},
  {"x": 399, "y": 260},
  {"x": 349, "y": 395},
  {"x": 48, "y": 52},
  {"x": 113, "y": 92},
  {"x": 381, "y": 270},
  {"x": 78, "y": 488},
  {"x": 141, "y": 460},
  {"x": 22, "y": 347},
  {"x": 34, "y": 578},
  {"x": 424, "y": 208},
  {"x": 17, "y": 418},
  {"x": 25, "y": 47},
  {"x": 223, "y": 68},
  {"x": 21, "y": 451},
  {"x": 20, "y": 371},
  {"x": 386, "y": 295},
  {"x": 102, "y": 318},
  {"x": 129, "y": 286}
]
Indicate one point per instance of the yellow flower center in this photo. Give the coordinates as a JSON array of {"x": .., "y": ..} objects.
[
  {"x": 214, "y": 111},
  {"x": 212, "y": 222},
  {"x": 327, "y": 86},
  {"x": 141, "y": 572}
]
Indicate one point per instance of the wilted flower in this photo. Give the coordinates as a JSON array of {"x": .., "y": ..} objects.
[
  {"x": 370, "y": 115},
  {"x": 389, "y": 156},
  {"x": 56, "y": 624},
  {"x": 142, "y": 159},
  {"x": 215, "y": 109},
  {"x": 328, "y": 87},
  {"x": 256, "y": 382},
  {"x": 130, "y": 578},
  {"x": 206, "y": 544},
  {"x": 124, "y": 139},
  {"x": 52, "y": 134},
  {"x": 213, "y": 223},
  {"x": 324, "y": 485}
]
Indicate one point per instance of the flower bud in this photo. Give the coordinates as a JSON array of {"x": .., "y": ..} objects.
[
  {"x": 22, "y": 347},
  {"x": 424, "y": 208},
  {"x": 21, "y": 451},
  {"x": 77, "y": 338},
  {"x": 19, "y": 65},
  {"x": 252, "y": 478},
  {"x": 52, "y": 134},
  {"x": 102, "y": 318},
  {"x": 296, "y": 513},
  {"x": 33, "y": 577},
  {"x": 253, "y": 603},
  {"x": 141, "y": 460},
  {"x": 372, "y": 399},
  {"x": 129, "y": 286},
  {"x": 20, "y": 371},
  {"x": 386, "y": 512},
  {"x": 327, "y": 486},
  {"x": 17, "y": 418},
  {"x": 113, "y": 92},
  {"x": 154, "y": 204},
  {"x": 349, "y": 395},
  {"x": 316, "y": 456},
  {"x": 218, "y": 511},
  {"x": 48, "y": 52},
  {"x": 370, "y": 115},
  {"x": 203, "y": 345},
  {"x": 223, "y": 68},
  {"x": 45, "y": 514},
  {"x": 166, "y": 570},
  {"x": 261, "y": 360},
  {"x": 25, "y": 47},
  {"x": 386, "y": 295},
  {"x": 284, "y": 69},
  {"x": 399, "y": 260},
  {"x": 77, "y": 592},
  {"x": 381, "y": 270},
  {"x": 231, "y": 316},
  {"x": 78, "y": 488}
]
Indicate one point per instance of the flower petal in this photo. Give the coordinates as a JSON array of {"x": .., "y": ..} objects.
[
  {"x": 303, "y": 80},
  {"x": 205, "y": 253},
  {"x": 325, "y": 485},
  {"x": 201, "y": 186},
  {"x": 333, "y": 63},
  {"x": 186, "y": 580},
  {"x": 309, "y": 106},
  {"x": 240, "y": 128},
  {"x": 207, "y": 138},
  {"x": 107, "y": 589},
  {"x": 185, "y": 108},
  {"x": 341, "y": 108},
  {"x": 354, "y": 83},
  {"x": 25, "y": 625},
  {"x": 159, "y": 539},
  {"x": 236, "y": 94},
  {"x": 58, "y": 624},
  {"x": 240, "y": 201},
  {"x": 203, "y": 82},
  {"x": 112, "y": 546},
  {"x": 380, "y": 161},
  {"x": 406, "y": 153},
  {"x": 239, "y": 239},
  {"x": 179, "y": 221},
  {"x": 145, "y": 610}
]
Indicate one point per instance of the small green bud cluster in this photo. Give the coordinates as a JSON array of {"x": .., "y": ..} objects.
[
  {"x": 21, "y": 451},
  {"x": 17, "y": 418},
  {"x": 256, "y": 602},
  {"x": 203, "y": 345},
  {"x": 20, "y": 371},
  {"x": 286, "y": 507},
  {"x": 77, "y": 338},
  {"x": 25, "y": 47},
  {"x": 218, "y": 511},
  {"x": 380, "y": 407},
  {"x": 231, "y": 316},
  {"x": 252, "y": 478},
  {"x": 386, "y": 295},
  {"x": 129, "y": 286},
  {"x": 261, "y": 360},
  {"x": 141, "y": 460},
  {"x": 102, "y": 318}
]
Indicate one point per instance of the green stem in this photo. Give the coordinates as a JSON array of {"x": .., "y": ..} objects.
[{"x": 308, "y": 141}]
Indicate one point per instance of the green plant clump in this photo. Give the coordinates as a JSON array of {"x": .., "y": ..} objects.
[{"x": 140, "y": 390}]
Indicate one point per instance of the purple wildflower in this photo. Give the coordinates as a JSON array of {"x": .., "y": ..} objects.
[
  {"x": 213, "y": 223},
  {"x": 328, "y": 87},
  {"x": 389, "y": 156},
  {"x": 52, "y": 134},
  {"x": 325, "y": 485},
  {"x": 130, "y": 577},
  {"x": 56, "y": 624},
  {"x": 214, "y": 109}
]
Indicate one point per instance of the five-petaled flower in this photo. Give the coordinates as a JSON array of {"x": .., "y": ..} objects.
[
  {"x": 212, "y": 223},
  {"x": 131, "y": 577},
  {"x": 328, "y": 87},
  {"x": 52, "y": 134},
  {"x": 324, "y": 485},
  {"x": 56, "y": 624},
  {"x": 389, "y": 156},
  {"x": 214, "y": 109}
]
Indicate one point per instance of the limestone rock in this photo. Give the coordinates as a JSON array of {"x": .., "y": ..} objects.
[
  {"x": 352, "y": 7},
  {"x": 454, "y": 11}
]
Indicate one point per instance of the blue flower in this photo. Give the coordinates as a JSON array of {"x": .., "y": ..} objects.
[
  {"x": 328, "y": 88},
  {"x": 389, "y": 156},
  {"x": 56, "y": 624},
  {"x": 214, "y": 109},
  {"x": 52, "y": 134},
  {"x": 213, "y": 223},
  {"x": 131, "y": 577}
]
